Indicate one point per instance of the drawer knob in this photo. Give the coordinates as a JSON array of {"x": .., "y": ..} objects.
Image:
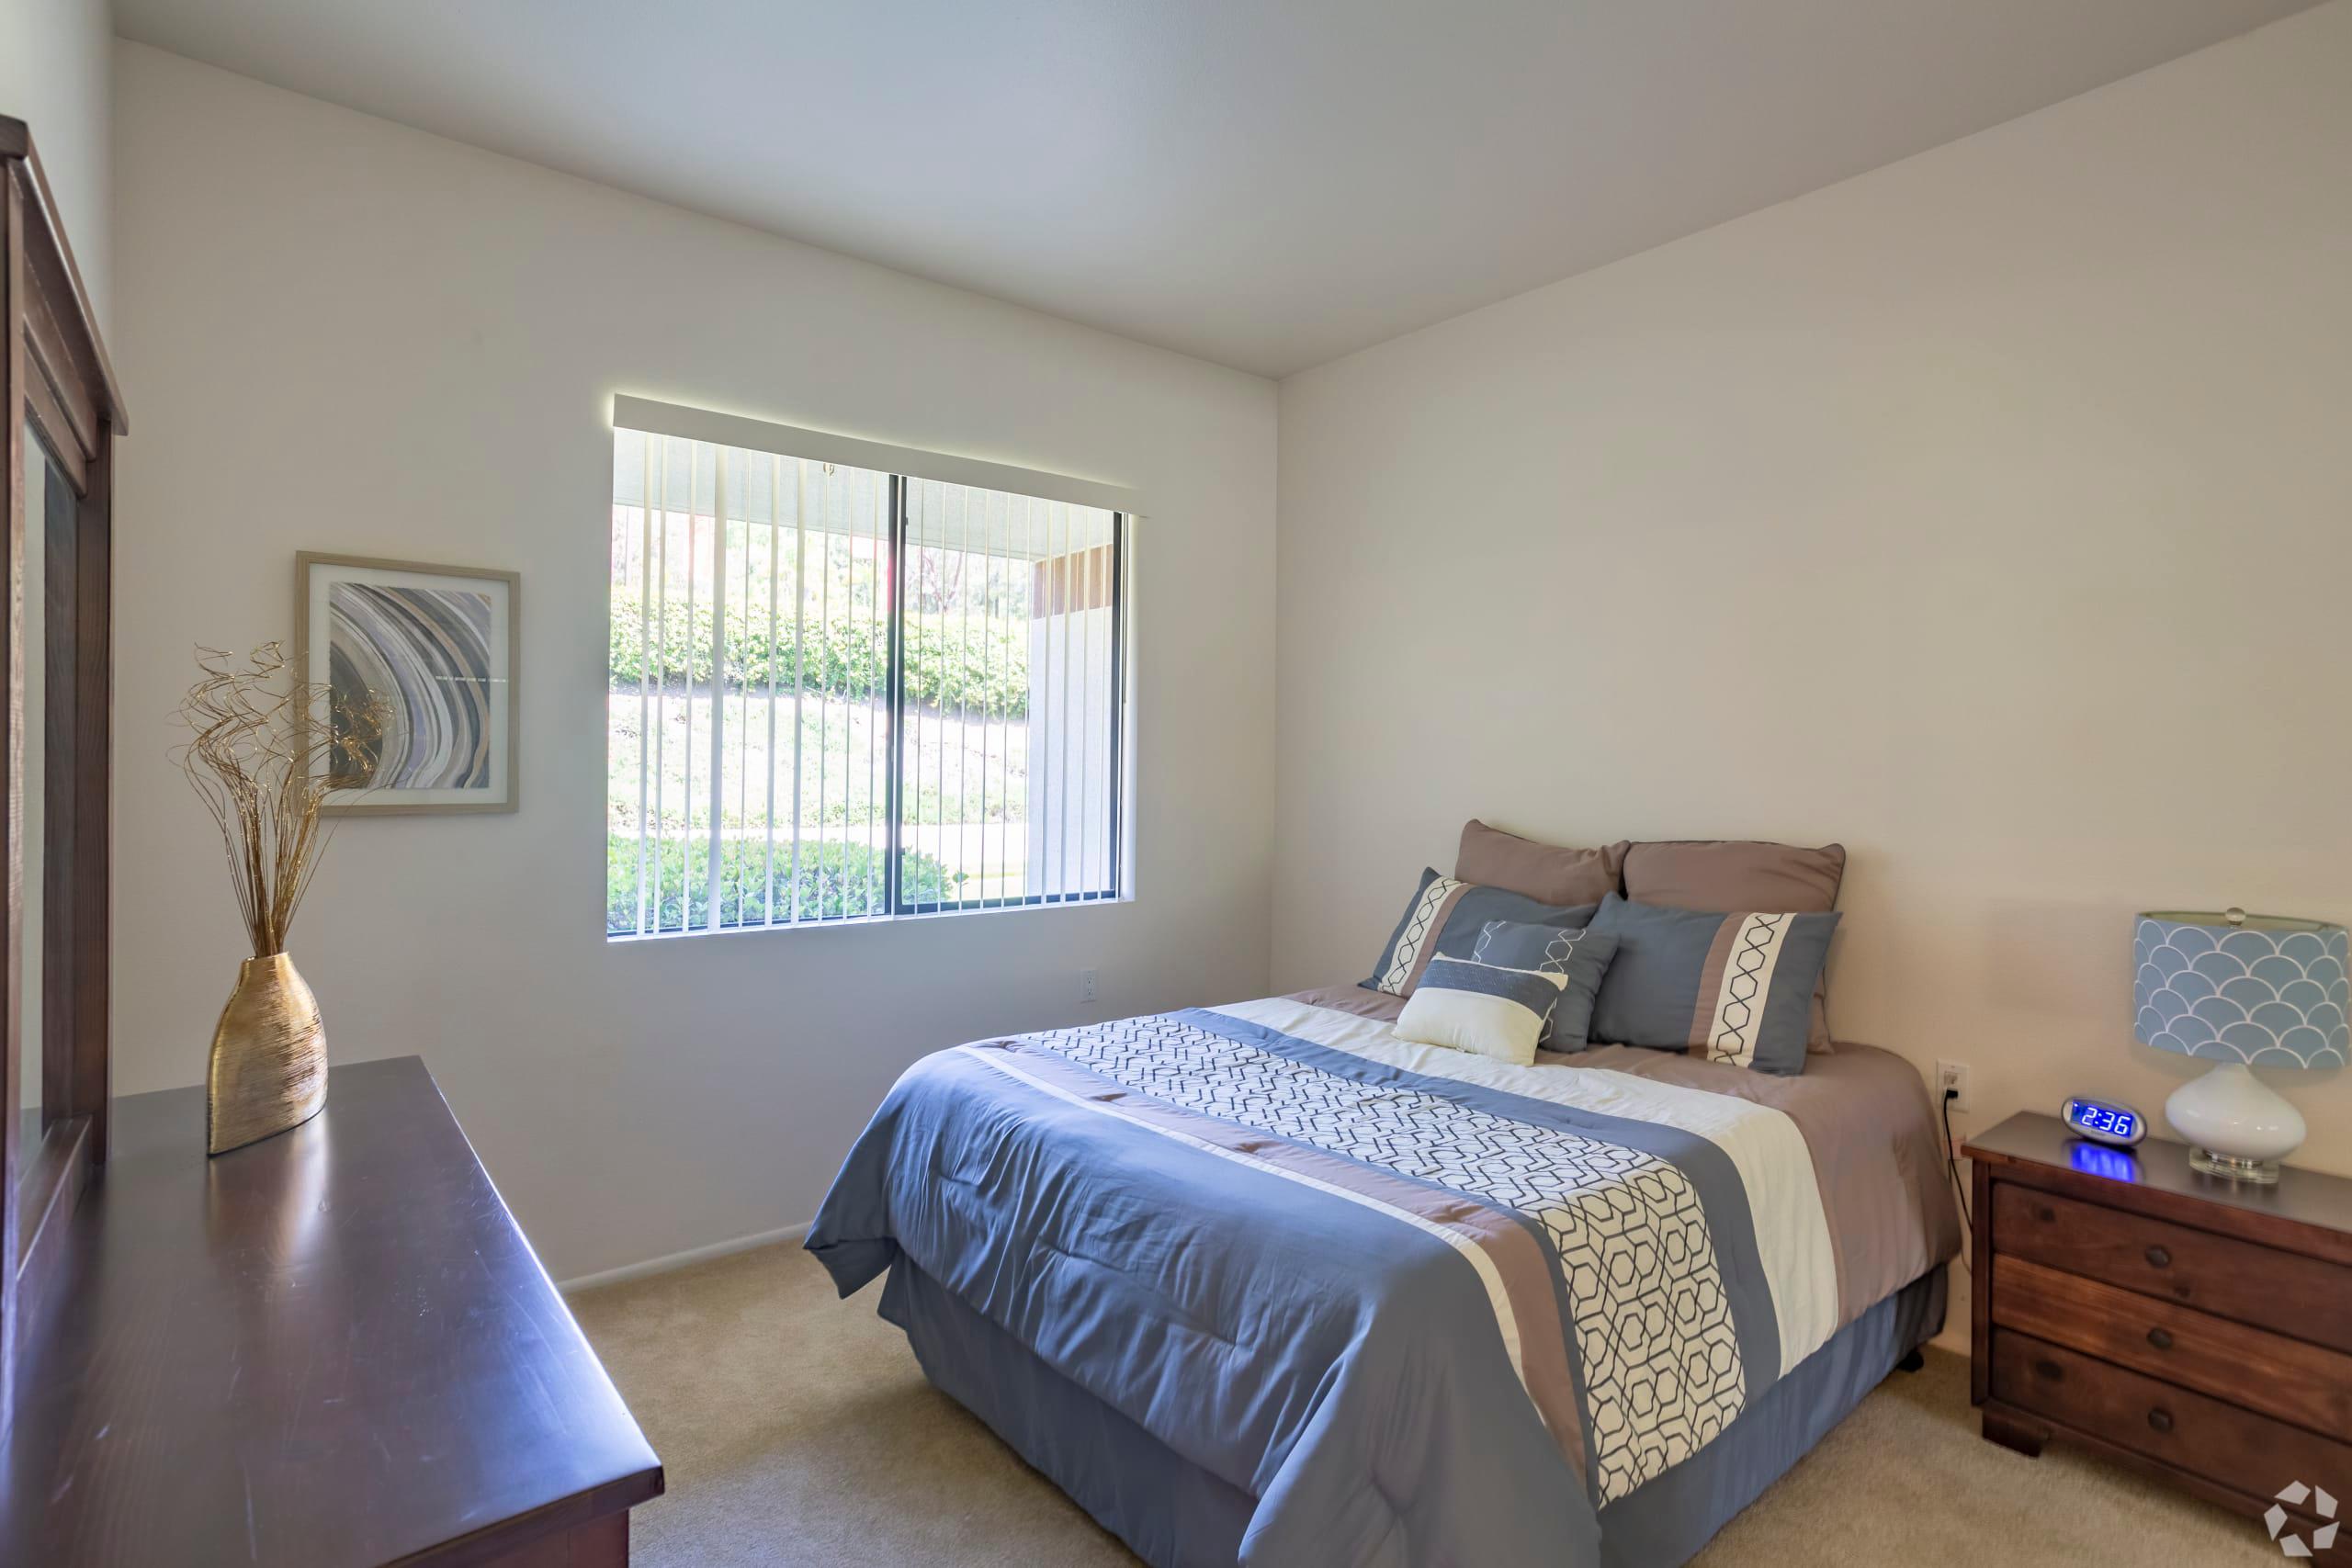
[
  {"x": 2158, "y": 1257},
  {"x": 2046, "y": 1215},
  {"x": 2160, "y": 1419},
  {"x": 2050, "y": 1370},
  {"x": 2160, "y": 1339}
]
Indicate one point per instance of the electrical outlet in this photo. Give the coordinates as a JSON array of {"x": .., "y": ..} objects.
[
  {"x": 1086, "y": 984},
  {"x": 1952, "y": 1075}
]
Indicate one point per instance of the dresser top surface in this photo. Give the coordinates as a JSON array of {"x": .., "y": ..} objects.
[
  {"x": 2160, "y": 1167},
  {"x": 333, "y": 1347}
]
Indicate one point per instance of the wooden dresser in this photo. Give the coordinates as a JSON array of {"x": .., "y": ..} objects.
[
  {"x": 2186, "y": 1326},
  {"x": 332, "y": 1348}
]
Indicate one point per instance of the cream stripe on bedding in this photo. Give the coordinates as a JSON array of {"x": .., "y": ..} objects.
[
  {"x": 1764, "y": 1145},
  {"x": 1736, "y": 1018}
]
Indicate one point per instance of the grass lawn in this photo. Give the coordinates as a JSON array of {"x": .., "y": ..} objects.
[{"x": 968, "y": 812}]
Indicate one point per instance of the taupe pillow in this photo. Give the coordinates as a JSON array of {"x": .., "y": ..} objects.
[
  {"x": 1724, "y": 875},
  {"x": 1548, "y": 874}
]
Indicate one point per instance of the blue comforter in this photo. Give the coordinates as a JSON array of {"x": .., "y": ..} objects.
[{"x": 1421, "y": 1319}]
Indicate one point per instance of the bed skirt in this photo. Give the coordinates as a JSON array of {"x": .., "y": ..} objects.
[{"x": 1172, "y": 1514}]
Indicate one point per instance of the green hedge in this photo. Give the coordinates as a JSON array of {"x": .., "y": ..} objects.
[
  {"x": 836, "y": 879},
  {"x": 985, "y": 671}
]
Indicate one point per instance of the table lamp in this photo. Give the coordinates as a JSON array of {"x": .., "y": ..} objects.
[{"x": 2240, "y": 990}]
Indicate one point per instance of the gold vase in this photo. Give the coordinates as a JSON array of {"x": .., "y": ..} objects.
[{"x": 269, "y": 1057}]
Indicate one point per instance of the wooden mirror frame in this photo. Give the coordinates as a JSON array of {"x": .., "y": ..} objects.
[{"x": 54, "y": 378}]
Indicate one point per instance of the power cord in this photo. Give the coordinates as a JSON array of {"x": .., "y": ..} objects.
[{"x": 1952, "y": 1161}]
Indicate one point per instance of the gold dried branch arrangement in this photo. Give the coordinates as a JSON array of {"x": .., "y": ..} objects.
[{"x": 258, "y": 738}]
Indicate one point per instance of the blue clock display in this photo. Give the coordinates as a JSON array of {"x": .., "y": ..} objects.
[{"x": 2106, "y": 1123}]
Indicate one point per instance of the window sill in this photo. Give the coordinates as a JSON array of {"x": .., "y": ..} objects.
[{"x": 625, "y": 939}]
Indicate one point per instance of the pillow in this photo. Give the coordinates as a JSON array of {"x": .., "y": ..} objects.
[
  {"x": 1737, "y": 874},
  {"x": 1732, "y": 987},
  {"x": 1581, "y": 955},
  {"x": 1480, "y": 1008},
  {"x": 1544, "y": 872},
  {"x": 1445, "y": 914}
]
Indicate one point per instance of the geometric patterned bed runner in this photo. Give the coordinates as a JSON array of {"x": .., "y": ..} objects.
[{"x": 1656, "y": 1349}]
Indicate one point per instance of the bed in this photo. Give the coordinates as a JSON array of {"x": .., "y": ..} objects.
[{"x": 1265, "y": 1283}]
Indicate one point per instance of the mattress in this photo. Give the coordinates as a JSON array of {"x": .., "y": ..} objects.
[{"x": 1388, "y": 1304}]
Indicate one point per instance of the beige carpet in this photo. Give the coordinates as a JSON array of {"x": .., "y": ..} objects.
[{"x": 797, "y": 1430}]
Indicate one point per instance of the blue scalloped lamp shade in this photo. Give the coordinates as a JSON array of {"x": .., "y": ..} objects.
[{"x": 2269, "y": 992}]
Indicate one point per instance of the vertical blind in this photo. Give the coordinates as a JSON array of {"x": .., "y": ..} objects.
[{"x": 839, "y": 693}]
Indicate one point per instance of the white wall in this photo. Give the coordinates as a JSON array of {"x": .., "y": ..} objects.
[
  {"x": 1991, "y": 513},
  {"x": 341, "y": 334},
  {"x": 56, "y": 74}
]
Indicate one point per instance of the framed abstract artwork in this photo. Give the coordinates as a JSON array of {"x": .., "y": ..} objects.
[{"x": 427, "y": 654}]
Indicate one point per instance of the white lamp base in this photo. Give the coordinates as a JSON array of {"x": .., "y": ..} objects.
[{"x": 2236, "y": 1126}]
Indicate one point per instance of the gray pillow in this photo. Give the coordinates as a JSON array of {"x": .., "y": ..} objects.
[
  {"x": 1582, "y": 957},
  {"x": 1741, "y": 873},
  {"x": 1732, "y": 987},
  {"x": 1446, "y": 914}
]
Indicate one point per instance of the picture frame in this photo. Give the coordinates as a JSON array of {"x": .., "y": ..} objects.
[{"x": 441, "y": 646}]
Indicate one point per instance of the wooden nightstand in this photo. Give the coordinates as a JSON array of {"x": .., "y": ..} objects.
[{"x": 2189, "y": 1327}]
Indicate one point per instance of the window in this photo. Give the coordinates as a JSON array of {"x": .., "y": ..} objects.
[{"x": 840, "y": 692}]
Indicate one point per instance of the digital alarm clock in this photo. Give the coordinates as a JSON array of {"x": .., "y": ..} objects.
[{"x": 2104, "y": 1122}]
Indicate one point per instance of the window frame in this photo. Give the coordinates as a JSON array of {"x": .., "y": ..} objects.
[
  {"x": 896, "y": 907},
  {"x": 898, "y": 466}
]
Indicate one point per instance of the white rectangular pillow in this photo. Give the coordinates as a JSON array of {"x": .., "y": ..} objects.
[{"x": 1482, "y": 1007}]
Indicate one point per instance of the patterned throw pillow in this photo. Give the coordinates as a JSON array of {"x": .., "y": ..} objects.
[
  {"x": 1732, "y": 987},
  {"x": 1741, "y": 873},
  {"x": 1581, "y": 956},
  {"x": 1445, "y": 916},
  {"x": 1480, "y": 1008}
]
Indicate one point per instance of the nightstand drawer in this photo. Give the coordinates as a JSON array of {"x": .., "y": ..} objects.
[
  {"x": 2250, "y": 1453},
  {"x": 2277, "y": 1376},
  {"x": 2300, "y": 1297}
]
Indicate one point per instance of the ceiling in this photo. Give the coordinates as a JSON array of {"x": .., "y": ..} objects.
[{"x": 1267, "y": 184}]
